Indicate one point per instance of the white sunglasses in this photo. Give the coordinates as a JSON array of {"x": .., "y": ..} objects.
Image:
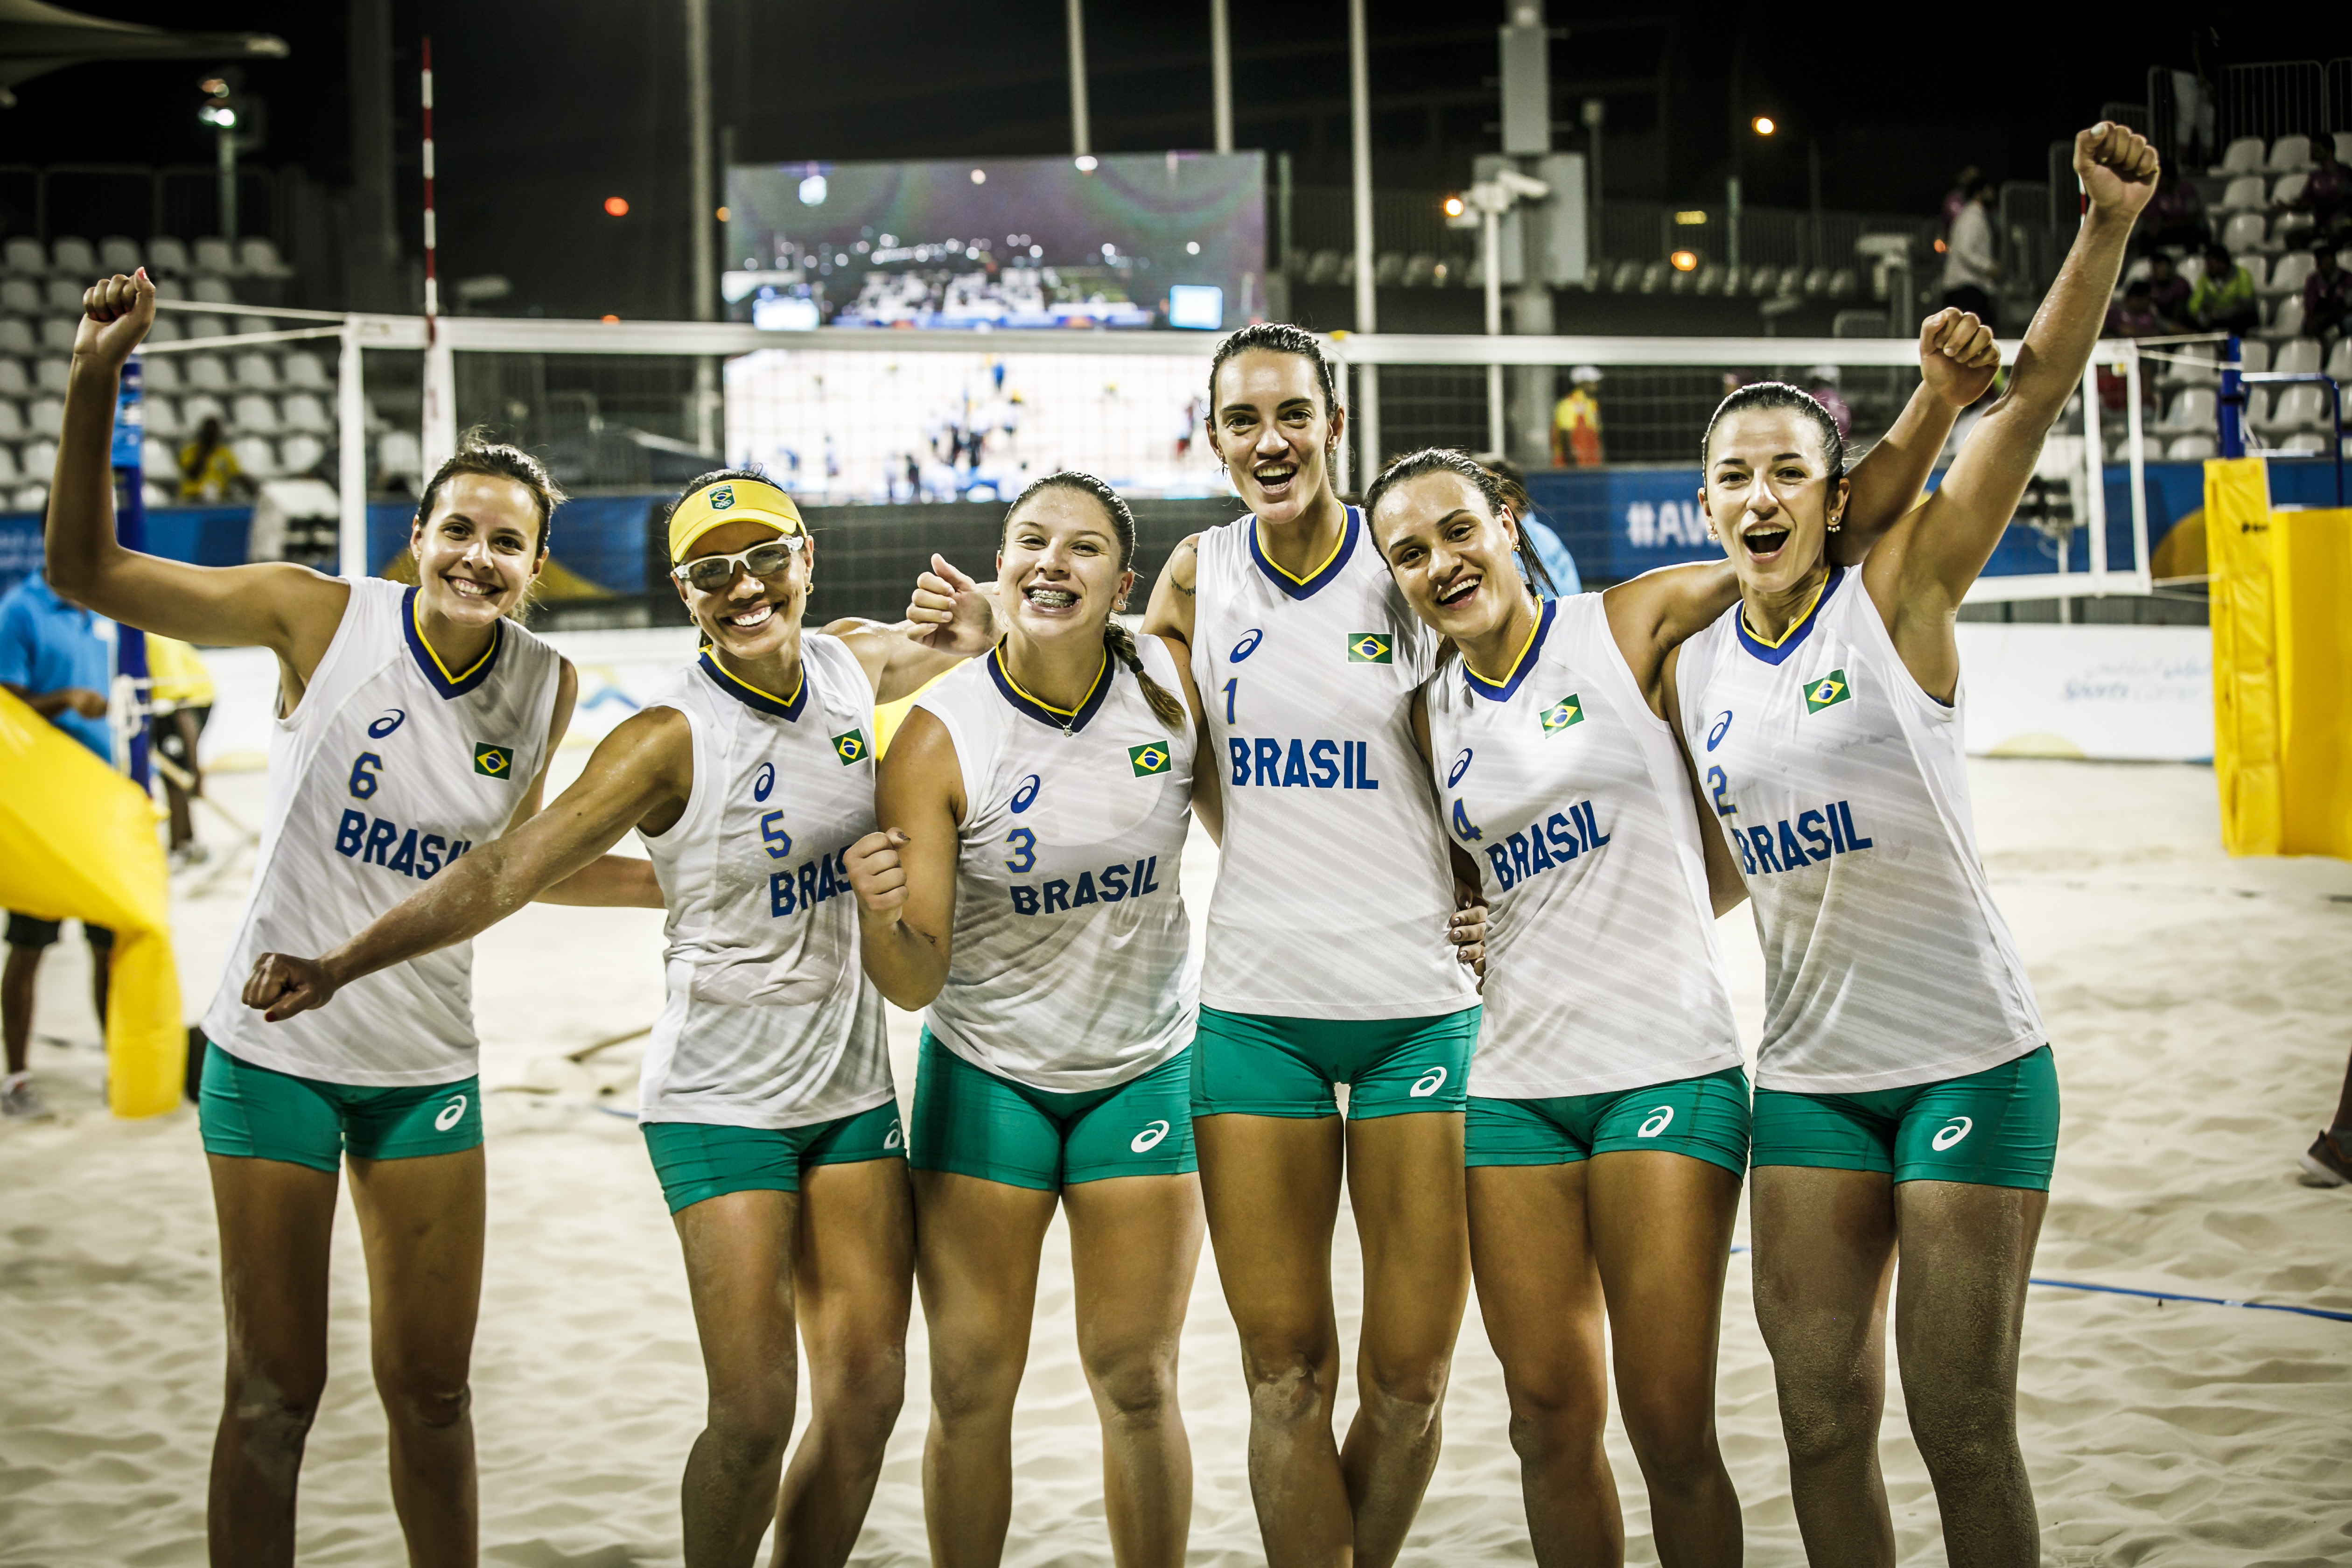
[{"x": 710, "y": 573}]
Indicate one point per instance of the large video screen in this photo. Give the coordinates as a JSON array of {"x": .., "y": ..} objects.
[{"x": 1135, "y": 241}]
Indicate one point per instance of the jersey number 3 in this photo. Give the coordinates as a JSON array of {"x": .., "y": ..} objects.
[{"x": 1024, "y": 849}]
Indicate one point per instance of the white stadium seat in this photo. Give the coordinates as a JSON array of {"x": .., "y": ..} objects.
[
  {"x": 74, "y": 257},
  {"x": 2190, "y": 448},
  {"x": 12, "y": 421},
  {"x": 306, "y": 370},
  {"x": 2244, "y": 195},
  {"x": 256, "y": 414},
  {"x": 258, "y": 257},
  {"x": 162, "y": 416},
  {"x": 2287, "y": 277},
  {"x": 16, "y": 335},
  {"x": 2340, "y": 361},
  {"x": 2298, "y": 357},
  {"x": 299, "y": 453},
  {"x": 256, "y": 370},
  {"x": 118, "y": 253},
  {"x": 2307, "y": 441},
  {"x": 2287, "y": 321},
  {"x": 166, "y": 254},
  {"x": 169, "y": 288},
  {"x": 2301, "y": 406},
  {"x": 2245, "y": 232},
  {"x": 51, "y": 374},
  {"x": 2193, "y": 408},
  {"x": 303, "y": 412},
  {"x": 256, "y": 455},
  {"x": 159, "y": 373},
  {"x": 211, "y": 290},
  {"x": 8, "y": 474},
  {"x": 2196, "y": 366},
  {"x": 201, "y": 325},
  {"x": 166, "y": 329},
  {"x": 156, "y": 457},
  {"x": 32, "y": 498},
  {"x": 398, "y": 455},
  {"x": 58, "y": 333},
  {"x": 2244, "y": 156},
  {"x": 2289, "y": 154},
  {"x": 215, "y": 256},
  {"x": 25, "y": 256},
  {"x": 14, "y": 382},
  {"x": 46, "y": 415},
  {"x": 39, "y": 460},
  {"x": 64, "y": 295},
  {"x": 20, "y": 296},
  {"x": 194, "y": 410},
  {"x": 2254, "y": 354},
  {"x": 209, "y": 372}
]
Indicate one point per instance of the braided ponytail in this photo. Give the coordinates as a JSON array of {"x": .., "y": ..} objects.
[{"x": 1119, "y": 643}]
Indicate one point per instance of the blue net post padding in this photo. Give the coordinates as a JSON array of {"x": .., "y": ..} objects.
[{"x": 131, "y": 528}]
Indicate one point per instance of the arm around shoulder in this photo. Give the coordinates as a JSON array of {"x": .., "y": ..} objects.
[
  {"x": 904, "y": 874},
  {"x": 1169, "y": 614}
]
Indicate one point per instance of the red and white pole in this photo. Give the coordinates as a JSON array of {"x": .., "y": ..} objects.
[{"x": 440, "y": 436}]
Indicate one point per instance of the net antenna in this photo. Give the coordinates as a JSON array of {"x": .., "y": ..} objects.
[{"x": 439, "y": 435}]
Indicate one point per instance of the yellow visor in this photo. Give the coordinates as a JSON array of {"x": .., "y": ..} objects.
[{"x": 731, "y": 500}]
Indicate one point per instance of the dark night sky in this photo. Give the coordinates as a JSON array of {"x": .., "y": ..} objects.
[{"x": 547, "y": 108}]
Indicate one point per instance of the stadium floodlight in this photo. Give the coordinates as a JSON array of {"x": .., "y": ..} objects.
[
  {"x": 1763, "y": 125},
  {"x": 1685, "y": 260},
  {"x": 617, "y": 207}
]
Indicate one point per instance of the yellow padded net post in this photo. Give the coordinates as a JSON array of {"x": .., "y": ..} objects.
[
  {"x": 2281, "y": 613},
  {"x": 78, "y": 841}
]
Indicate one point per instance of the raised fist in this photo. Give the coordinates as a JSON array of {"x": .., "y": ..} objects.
[
  {"x": 115, "y": 315},
  {"x": 2117, "y": 169}
]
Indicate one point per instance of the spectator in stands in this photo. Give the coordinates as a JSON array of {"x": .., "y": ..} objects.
[
  {"x": 1542, "y": 536},
  {"x": 1576, "y": 421},
  {"x": 2175, "y": 216},
  {"x": 2327, "y": 294},
  {"x": 2326, "y": 191},
  {"x": 181, "y": 691},
  {"x": 1971, "y": 271},
  {"x": 1957, "y": 196},
  {"x": 2137, "y": 316},
  {"x": 2223, "y": 300},
  {"x": 53, "y": 660},
  {"x": 2167, "y": 291},
  {"x": 208, "y": 469},
  {"x": 1824, "y": 378}
]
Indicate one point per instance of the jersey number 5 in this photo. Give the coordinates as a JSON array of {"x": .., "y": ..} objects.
[{"x": 772, "y": 829}]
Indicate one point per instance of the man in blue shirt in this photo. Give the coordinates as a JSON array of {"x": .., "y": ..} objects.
[{"x": 53, "y": 660}]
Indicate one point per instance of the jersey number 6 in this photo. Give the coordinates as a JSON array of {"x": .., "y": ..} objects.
[{"x": 364, "y": 783}]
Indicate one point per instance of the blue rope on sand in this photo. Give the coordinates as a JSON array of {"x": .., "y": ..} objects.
[{"x": 2329, "y": 1313}]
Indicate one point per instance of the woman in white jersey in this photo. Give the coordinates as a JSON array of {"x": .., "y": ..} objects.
[
  {"x": 1905, "y": 1097},
  {"x": 766, "y": 1100},
  {"x": 1026, "y": 892},
  {"x": 1328, "y": 962},
  {"x": 1608, "y": 1117},
  {"x": 413, "y": 725}
]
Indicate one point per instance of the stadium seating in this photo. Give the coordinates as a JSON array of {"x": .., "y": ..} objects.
[
  {"x": 2298, "y": 357},
  {"x": 2287, "y": 322},
  {"x": 58, "y": 334},
  {"x": 2246, "y": 194},
  {"x": 2193, "y": 408},
  {"x": 46, "y": 415},
  {"x": 13, "y": 382},
  {"x": 162, "y": 416},
  {"x": 302, "y": 412},
  {"x": 118, "y": 253},
  {"x": 2246, "y": 232},
  {"x": 166, "y": 256},
  {"x": 306, "y": 370},
  {"x": 215, "y": 256},
  {"x": 64, "y": 295},
  {"x": 2243, "y": 156},
  {"x": 255, "y": 414},
  {"x": 195, "y": 410},
  {"x": 258, "y": 256},
  {"x": 49, "y": 375},
  {"x": 2289, "y": 154},
  {"x": 2300, "y": 405},
  {"x": 2254, "y": 354},
  {"x": 2287, "y": 277},
  {"x": 2307, "y": 441},
  {"x": 2190, "y": 448},
  {"x": 2340, "y": 361},
  {"x": 2198, "y": 365},
  {"x": 25, "y": 256},
  {"x": 256, "y": 371}
]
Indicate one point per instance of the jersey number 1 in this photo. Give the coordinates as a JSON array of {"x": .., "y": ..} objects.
[{"x": 1236, "y": 680}]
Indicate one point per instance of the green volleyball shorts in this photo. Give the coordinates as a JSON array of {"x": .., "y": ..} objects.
[
  {"x": 252, "y": 1112},
  {"x": 1998, "y": 1128},
  {"x": 1251, "y": 1064},
  {"x": 698, "y": 1160},
  {"x": 1704, "y": 1118},
  {"x": 970, "y": 1123}
]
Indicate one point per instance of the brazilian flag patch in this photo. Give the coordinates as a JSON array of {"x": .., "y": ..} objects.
[
  {"x": 1827, "y": 692},
  {"x": 1569, "y": 709},
  {"x": 493, "y": 762},
  {"x": 1149, "y": 758},
  {"x": 1370, "y": 648},
  {"x": 850, "y": 748}
]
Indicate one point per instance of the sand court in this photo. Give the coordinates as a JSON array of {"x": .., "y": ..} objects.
[{"x": 2202, "y": 1009}]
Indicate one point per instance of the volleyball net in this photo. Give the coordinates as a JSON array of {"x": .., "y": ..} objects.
[{"x": 1605, "y": 428}]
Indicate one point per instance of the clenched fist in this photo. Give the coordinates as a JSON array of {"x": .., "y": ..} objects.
[
  {"x": 2117, "y": 169},
  {"x": 115, "y": 315},
  {"x": 880, "y": 880},
  {"x": 1957, "y": 357},
  {"x": 281, "y": 986}
]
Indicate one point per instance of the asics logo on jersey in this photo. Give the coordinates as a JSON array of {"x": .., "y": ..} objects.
[
  {"x": 451, "y": 1114},
  {"x": 1246, "y": 647},
  {"x": 1658, "y": 1121},
  {"x": 1428, "y": 1083},
  {"x": 1952, "y": 1132},
  {"x": 1149, "y": 758},
  {"x": 1569, "y": 709},
  {"x": 1461, "y": 766},
  {"x": 1149, "y": 1138},
  {"x": 895, "y": 1138},
  {"x": 1828, "y": 691},
  {"x": 386, "y": 725},
  {"x": 765, "y": 785},
  {"x": 493, "y": 762},
  {"x": 1722, "y": 725},
  {"x": 1370, "y": 648},
  {"x": 1026, "y": 794},
  {"x": 850, "y": 747},
  {"x": 1781, "y": 846}
]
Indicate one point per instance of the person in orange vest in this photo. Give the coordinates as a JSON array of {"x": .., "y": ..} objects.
[{"x": 1576, "y": 422}]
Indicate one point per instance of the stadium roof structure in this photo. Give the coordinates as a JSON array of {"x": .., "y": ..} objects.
[{"x": 37, "y": 39}]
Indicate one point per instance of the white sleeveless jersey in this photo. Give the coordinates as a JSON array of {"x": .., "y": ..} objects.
[
  {"x": 1843, "y": 791},
  {"x": 769, "y": 1020},
  {"x": 1601, "y": 968},
  {"x": 387, "y": 770},
  {"x": 1333, "y": 891},
  {"x": 1072, "y": 967}
]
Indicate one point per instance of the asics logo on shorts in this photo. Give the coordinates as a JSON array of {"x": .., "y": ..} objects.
[
  {"x": 1952, "y": 1132},
  {"x": 451, "y": 1114},
  {"x": 1659, "y": 1121},
  {"x": 895, "y": 1139},
  {"x": 1149, "y": 1138},
  {"x": 1428, "y": 1083}
]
